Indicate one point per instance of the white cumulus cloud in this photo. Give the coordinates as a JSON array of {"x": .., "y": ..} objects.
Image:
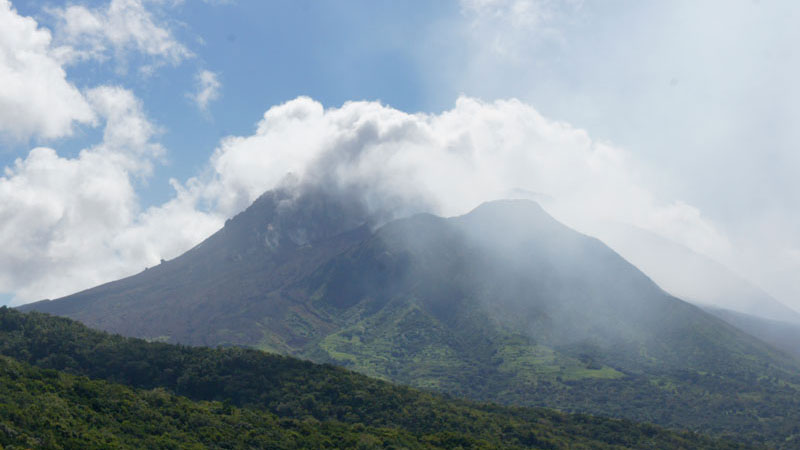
[
  {"x": 76, "y": 222},
  {"x": 447, "y": 163},
  {"x": 70, "y": 223},
  {"x": 36, "y": 99}
]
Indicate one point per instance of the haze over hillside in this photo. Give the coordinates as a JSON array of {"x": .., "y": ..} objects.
[
  {"x": 586, "y": 206},
  {"x": 132, "y": 130},
  {"x": 689, "y": 275},
  {"x": 502, "y": 304},
  {"x": 64, "y": 385}
]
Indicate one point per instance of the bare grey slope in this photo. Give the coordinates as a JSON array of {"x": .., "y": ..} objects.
[
  {"x": 503, "y": 304},
  {"x": 219, "y": 292}
]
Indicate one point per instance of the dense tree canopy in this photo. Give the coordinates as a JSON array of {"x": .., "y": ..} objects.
[{"x": 63, "y": 385}]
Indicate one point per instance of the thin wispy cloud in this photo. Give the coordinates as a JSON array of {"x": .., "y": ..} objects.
[
  {"x": 207, "y": 87},
  {"x": 509, "y": 29},
  {"x": 115, "y": 30},
  {"x": 702, "y": 93}
]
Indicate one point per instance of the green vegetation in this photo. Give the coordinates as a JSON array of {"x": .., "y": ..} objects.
[
  {"x": 735, "y": 387},
  {"x": 50, "y": 409},
  {"x": 781, "y": 335},
  {"x": 503, "y": 304},
  {"x": 88, "y": 389}
]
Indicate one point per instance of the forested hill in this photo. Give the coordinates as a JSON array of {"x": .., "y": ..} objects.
[
  {"x": 503, "y": 304},
  {"x": 141, "y": 394}
]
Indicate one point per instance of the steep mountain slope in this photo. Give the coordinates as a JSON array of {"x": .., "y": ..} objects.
[
  {"x": 502, "y": 304},
  {"x": 225, "y": 290},
  {"x": 691, "y": 276},
  {"x": 781, "y": 335},
  {"x": 260, "y": 401}
]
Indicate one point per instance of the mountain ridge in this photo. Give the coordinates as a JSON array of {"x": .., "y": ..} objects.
[
  {"x": 502, "y": 304},
  {"x": 690, "y": 275}
]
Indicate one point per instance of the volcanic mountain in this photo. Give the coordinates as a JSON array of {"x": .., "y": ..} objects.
[
  {"x": 503, "y": 304},
  {"x": 692, "y": 276}
]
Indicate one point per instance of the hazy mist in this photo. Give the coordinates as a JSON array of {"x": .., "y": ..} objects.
[{"x": 682, "y": 128}]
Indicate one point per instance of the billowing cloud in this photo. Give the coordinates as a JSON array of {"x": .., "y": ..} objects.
[
  {"x": 69, "y": 223},
  {"x": 207, "y": 87},
  {"x": 393, "y": 162},
  {"x": 123, "y": 26},
  {"x": 36, "y": 100},
  {"x": 447, "y": 163},
  {"x": 694, "y": 106}
]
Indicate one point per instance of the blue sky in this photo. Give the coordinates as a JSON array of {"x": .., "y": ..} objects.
[
  {"x": 675, "y": 117},
  {"x": 265, "y": 53}
]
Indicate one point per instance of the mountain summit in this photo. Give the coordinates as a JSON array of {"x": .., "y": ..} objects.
[{"x": 504, "y": 303}]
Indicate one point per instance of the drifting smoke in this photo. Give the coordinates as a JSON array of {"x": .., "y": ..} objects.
[
  {"x": 444, "y": 163},
  {"x": 391, "y": 164}
]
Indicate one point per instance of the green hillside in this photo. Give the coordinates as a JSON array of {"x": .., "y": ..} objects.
[
  {"x": 507, "y": 305},
  {"x": 50, "y": 409},
  {"x": 504, "y": 304},
  {"x": 137, "y": 395}
]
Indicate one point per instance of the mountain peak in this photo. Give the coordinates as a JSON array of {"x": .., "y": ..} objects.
[
  {"x": 505, "y": 222},
  {"x": 297, "y": 216},
  {"x": 508, "y": 204},
  {"x": 503, "y": 303}
]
